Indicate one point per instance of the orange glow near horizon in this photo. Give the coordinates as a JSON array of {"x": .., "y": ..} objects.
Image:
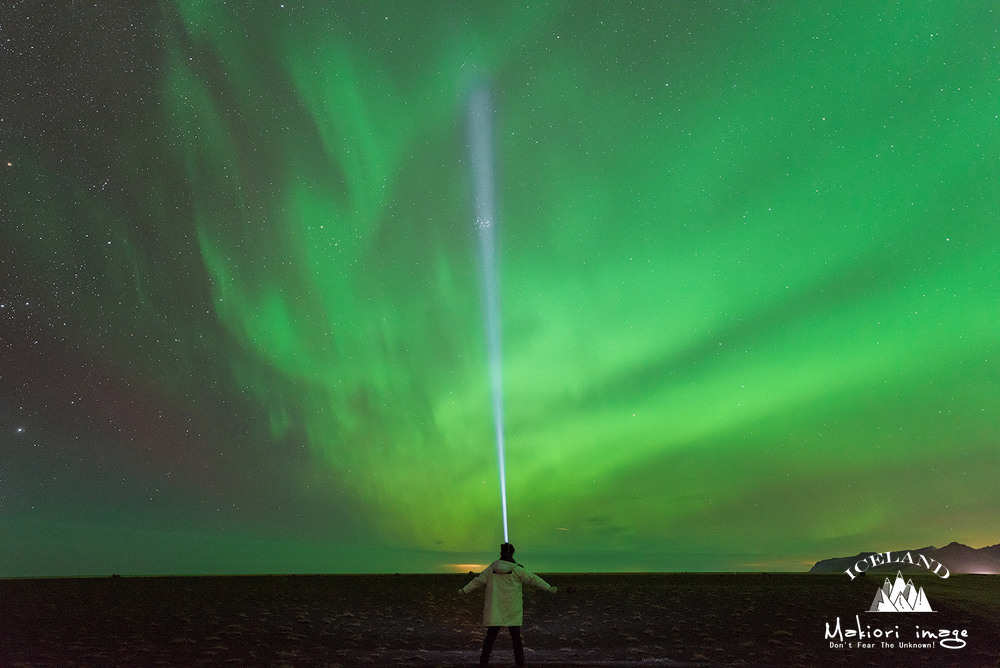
[{"x": 464, "y": 568}]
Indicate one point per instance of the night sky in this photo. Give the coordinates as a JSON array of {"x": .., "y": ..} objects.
[{"x": 748, "y": 284}]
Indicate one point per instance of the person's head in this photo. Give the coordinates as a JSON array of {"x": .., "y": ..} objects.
[{"x": 507, "y": 551}]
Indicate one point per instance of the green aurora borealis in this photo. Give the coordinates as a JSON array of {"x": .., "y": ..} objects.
[{"x": 749, "y": 290}]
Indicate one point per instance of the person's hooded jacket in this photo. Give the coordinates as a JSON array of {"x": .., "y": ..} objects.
[{"x": 504, "y": 604}]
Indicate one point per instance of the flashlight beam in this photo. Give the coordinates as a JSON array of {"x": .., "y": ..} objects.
[{"x": 480, "y": 137}]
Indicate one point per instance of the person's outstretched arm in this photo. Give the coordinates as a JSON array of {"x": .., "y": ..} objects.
[
  {"x": 527, "y": 577},
  {"x": 476, "y": 583}
]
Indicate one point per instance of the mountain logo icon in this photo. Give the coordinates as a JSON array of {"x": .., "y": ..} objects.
[{"x": 900, "y": 596}]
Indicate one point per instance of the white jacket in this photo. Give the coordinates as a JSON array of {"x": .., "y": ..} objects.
[{"x": 504, "y": 605}]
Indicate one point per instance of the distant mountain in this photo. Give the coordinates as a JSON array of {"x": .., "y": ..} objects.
[
  {"x": 993, "y": 550},
  {"x": 960, "y": 558},
  {"x": 957, "y": 558}
]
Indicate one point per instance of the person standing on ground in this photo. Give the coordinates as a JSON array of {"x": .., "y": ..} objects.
[{"x": 504, "y": 605}]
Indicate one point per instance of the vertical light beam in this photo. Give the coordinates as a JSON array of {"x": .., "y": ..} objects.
[{"x": 480, "y": 139}]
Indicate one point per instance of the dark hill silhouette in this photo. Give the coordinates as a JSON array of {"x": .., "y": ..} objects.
[
  {"x": 992, "y": 550},
  {"x": 957, "y": 558}
]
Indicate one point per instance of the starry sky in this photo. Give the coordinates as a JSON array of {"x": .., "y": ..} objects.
[{"x": 748, "y": 284}]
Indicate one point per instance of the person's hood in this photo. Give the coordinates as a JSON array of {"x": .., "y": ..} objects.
[{"x": 501, "y": 566}]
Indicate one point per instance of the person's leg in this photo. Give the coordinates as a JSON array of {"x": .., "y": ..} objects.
[
  {"x": 491, "y": 635},
  {"x": 515, "y": 638}
]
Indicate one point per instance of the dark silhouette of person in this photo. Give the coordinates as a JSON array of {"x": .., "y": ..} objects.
[{"x": 504, "y": 605}]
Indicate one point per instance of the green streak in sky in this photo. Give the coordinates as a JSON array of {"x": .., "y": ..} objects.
[{"x": 749, "y": 264}]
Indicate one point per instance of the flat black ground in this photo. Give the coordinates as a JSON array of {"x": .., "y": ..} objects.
[{"x": 420, "y": 620}]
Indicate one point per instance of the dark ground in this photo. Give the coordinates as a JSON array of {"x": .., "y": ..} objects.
[{"x": 745, "y": 619}]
